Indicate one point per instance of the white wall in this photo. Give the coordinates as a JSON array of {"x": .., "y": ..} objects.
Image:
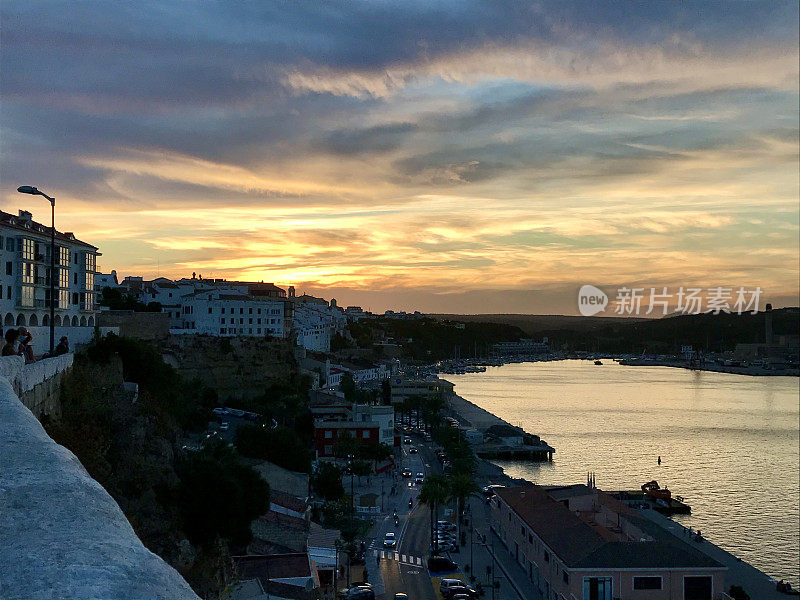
[{"x": 62, "y": 535}]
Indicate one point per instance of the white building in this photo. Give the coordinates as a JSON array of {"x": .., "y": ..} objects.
[
  {"x": 25, "y": 276},
  {"x": 382, "y": 415},
  {"x": 223, "y": 313},
  {"x": 315, "y": 321}
]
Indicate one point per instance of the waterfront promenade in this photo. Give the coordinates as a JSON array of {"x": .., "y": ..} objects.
[{"x": 756, "y": 583}]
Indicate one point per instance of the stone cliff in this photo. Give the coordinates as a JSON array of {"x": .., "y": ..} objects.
[{"x": 235, "y": 368}]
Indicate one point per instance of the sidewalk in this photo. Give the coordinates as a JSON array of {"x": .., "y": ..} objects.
[{"x": 514, "y": 582}]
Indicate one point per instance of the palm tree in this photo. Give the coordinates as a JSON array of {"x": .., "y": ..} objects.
[
  {"x": 461, "y": 487},
  {"x": 435, "y": 491}
]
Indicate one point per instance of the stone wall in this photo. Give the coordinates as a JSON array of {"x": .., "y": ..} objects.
[
  {"x": 62, "y": 535},
  {"x": 136, "y": 325},
  {"x": 236, "y": 367}
]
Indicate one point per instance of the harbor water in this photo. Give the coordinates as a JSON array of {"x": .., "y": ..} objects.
[{"x": 728, "y": 443}]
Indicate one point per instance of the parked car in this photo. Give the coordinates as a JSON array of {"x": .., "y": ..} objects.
[
  {"x": 224, "y": 426},
  {"x": 389, "y": 540},
  {"x": 400, "y": 596},
  {"x": 220, "y": 411},
  {"x": 441, "y": 564},
  {"x": 359, "y": 593},
  {"x": 420, "y": 478},
  {"x": 447, "y": 584},
  {"x": 447, "y": 526}
]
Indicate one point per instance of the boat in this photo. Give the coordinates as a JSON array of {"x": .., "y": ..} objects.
[
  {"x": 652, "y": 489},
  {"x": 597, "y": 362}
]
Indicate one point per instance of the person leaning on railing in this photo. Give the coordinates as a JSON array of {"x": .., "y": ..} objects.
[
  {"x": 25, "y": 348},
  {"x": 10, "y": 348}
]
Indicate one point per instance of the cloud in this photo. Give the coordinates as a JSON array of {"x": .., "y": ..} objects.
[{"x": 384, "y": 148}]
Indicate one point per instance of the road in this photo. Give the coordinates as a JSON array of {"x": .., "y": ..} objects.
[{"x": 405, "y": 569}]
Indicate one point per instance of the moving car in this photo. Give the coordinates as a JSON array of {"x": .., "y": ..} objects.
[
  {"x": 400, "y": 596},
  {"x": 406, "y": 473},
  {"x": 407, "y": 440},
  {"x": 389, "y": 540},
  {"x": 420, "y": 478},
  {"x": 490, "y": 490},
  {"x": 413, "y": 450},
  {"x": 458, "y": 592}
]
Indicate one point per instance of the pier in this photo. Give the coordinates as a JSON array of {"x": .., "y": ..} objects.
[
  {"x": 492, "y": 437},
  {"x": 641, "y": 500}
]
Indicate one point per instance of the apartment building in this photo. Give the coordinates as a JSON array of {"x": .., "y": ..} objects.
[
  {"x": 25, "y": 275},
  {"x": 579, "y": 543},
  {"x": 222, "y": 313},
  {"x": 404, "y": 387}
]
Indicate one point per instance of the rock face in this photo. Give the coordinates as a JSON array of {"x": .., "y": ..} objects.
[{"x": 61, "y": 534}]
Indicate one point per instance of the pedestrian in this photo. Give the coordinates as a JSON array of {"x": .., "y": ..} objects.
[
  {"x": 63, "y": 346},
  {"x": 25, "y": 348},
  {"x": 10, "y": 348}
]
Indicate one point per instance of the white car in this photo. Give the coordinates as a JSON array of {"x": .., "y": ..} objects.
[
  {"x": 224, "y": 426},
  {"x": 420, "y": 478},
  {"x": 446, "y": 526},
  {"x": 389, "y": 540}
]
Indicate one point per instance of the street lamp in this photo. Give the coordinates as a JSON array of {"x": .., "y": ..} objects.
[
  {"x": 29, "y": 189},
  {"x": 350, "y": 458}
]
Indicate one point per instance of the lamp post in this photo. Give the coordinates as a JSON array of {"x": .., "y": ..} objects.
[
  {"x": 350, "y": 458},
  {"x": 29, "y": 189}
]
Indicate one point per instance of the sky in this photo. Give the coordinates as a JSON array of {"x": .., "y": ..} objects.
[{"x": 436, "y": 156}]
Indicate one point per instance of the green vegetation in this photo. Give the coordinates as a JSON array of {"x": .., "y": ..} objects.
[
  {"x": 429, "y": 340},
  {"x": 282, "y": 446},
  {"x": 219, "y": 496},
  {"x": 117, "y": 299},
  {"x": 190, "y": 507}
]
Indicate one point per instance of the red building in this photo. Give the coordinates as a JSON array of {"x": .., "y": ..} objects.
[{"x": 326, "y": 432}]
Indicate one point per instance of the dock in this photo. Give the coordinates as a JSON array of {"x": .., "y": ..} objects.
[
  {"x": 639, "y": 499},
  {"x": 492, "y": 437}
]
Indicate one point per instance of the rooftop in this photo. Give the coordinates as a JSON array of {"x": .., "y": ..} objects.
[
  {"x": 23, "y": 222},
  {"x": 585, "y": 540}
]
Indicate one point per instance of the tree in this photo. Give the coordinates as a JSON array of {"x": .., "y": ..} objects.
[
  {"x": 361, "y": 468},
  {"x": 327, "y": 482},
  {"x": 430, "y": 407},
  {"x": 348, "y": 387},
  {"x": 386, "y": 392},
  {"x": 345, "y": 445},
  {"x": 461, "y": 487},
  {"x": 281, "y": 446},
  {"x": 435, "y": 491},
  {"x": 219, "y": 497}
]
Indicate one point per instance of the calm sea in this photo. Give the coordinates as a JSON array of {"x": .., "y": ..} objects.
[{"x": 728, "y": 443}]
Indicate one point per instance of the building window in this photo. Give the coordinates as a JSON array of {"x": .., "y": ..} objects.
[
  {"x": 75, "y": 278},
  {"x": 74, "y": 297},
  {"x": 250, "y": 322},
  {"x": 546, "y": 556},
  {"x": 9, "y": 268},
  {"x": 697, "y": 587},
  {"x": 10, "y": 244},
  {"x": 63, "y": 278},
  {"x": 210, "y": 310},
  {"x": 28, "y": 273},
  {"x": 241, "y": 311},
  {"x": 259, "y": 311},
  {"x": 89, "y": 281},
  {"x": 222, "y": 330},
  {"x": 250, "y": 311},
  {"x": 365, "y": 434},
  {"x": 26, "y": 299},
  {"x": 328, "y": 434},
  {"x": 328, "y": 450},
  {"x": 88, "y": 301},
  {"x": 63, "y": 298},
  {"x": 565, "y": 576},
  {"x": 63, "y": 256},
  {"x": 28, "y": 249},
  {"x": 646, "y": 583},
  {"x": 91, "y": 262},
  {"x": 597, "y": 588},
  {"x": 222, "y": 310}
]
